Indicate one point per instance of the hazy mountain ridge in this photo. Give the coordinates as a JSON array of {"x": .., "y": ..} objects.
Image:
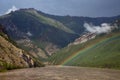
[{"x": 76, "y": 23}]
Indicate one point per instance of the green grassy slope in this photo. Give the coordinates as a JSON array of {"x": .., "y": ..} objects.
[
  {"x": 49, "y": 21},
  {"x": 104, "y": 51}
]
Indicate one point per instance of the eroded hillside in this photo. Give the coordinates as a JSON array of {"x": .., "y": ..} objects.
[{"x": 11, "y": 56}]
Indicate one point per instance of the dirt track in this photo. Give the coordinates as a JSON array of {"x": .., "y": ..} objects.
[{"x": 61, "y": 73}]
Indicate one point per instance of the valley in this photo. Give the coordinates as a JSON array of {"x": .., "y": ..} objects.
[
  {"x": 61, "y": 73},
  {"x": 52, "y": 47}
]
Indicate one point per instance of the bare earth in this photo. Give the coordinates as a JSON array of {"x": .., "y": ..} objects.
[{"x": 61, "y": 73}]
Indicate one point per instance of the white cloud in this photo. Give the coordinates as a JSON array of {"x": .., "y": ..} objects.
[
  {"x": 104, "y": 28},
  {"x": 29, "y": 33},
  {"x": 12, "y": 9}
]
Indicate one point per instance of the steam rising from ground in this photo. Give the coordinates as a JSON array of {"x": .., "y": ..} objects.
[
  {"x": 12, "y": 9},
  {"x": 104, "y": 28}
]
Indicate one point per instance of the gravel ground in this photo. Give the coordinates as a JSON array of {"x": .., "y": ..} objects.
[{"x": 61, "y": 73}]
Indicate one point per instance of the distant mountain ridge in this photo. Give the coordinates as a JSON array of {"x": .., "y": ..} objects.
[{"x": 76, "y": 23}]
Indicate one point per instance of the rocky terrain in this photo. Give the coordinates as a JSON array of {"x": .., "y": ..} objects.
[
  {"x": 61, "y": 73},
  {"x": 11, "y": 56},
  {"x": 84, "y": 38}
]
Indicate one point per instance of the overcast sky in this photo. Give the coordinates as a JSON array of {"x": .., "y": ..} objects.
[{"x": 91, "y": 8}]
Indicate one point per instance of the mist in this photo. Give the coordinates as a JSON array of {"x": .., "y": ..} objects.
[
  {"x": 103, "y": 28},
  {"x": 11, "y": 9}
]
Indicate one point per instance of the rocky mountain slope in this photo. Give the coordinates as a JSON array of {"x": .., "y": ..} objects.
[
  {"x": 11, "y": 56},
  {"x": 84, "y": 38}
]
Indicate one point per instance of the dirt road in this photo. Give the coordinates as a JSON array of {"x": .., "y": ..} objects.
[{"x": 61, "y": 73}]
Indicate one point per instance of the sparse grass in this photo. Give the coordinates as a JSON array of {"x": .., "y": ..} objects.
[{"x": 4, "y": 66}]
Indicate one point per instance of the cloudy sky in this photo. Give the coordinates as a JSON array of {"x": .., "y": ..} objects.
[{"x": 91, "y": 8}]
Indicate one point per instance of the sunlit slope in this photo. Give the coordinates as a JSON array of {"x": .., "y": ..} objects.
[
  {"x": 13, "y": 57},
  {"x": 104, "y": 51}
]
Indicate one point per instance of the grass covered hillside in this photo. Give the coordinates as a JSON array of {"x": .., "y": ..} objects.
[{"x": 102, "y": 52}]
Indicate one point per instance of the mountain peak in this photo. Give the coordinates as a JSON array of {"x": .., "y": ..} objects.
[{"x": 25, "y": 9}]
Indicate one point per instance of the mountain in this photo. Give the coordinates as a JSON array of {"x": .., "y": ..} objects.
[
  {"x": 76, "y": 23},
  {"x": 11, "y": 56},
  {"x": 38, "y": 34},
  {"x": 43, "y": 34},
  {"x": 102, "y": 51}
]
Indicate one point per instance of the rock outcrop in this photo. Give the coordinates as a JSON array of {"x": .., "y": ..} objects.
[{"x": 11, "y": 56}]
